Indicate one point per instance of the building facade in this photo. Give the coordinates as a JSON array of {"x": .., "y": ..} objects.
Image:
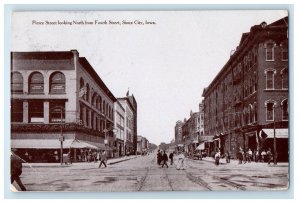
[
  {"x": 120, "y": 129},
  {"x": 248, "y": 99},
  {"x": 130, "y": 124},
  {"x": 58, "y": 96},
  {"x": 190, "y": 132}
]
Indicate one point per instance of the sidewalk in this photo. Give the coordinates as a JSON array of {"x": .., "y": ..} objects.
[
  {"x": 110, "y": 161},
  {"x": 236, "y": 162}
]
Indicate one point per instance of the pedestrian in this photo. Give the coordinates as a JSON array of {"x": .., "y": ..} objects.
[
  {"x": 180, "y": 162},
  {"x": 249, "y": 156},
  {"x": 165, "y": 159},
  {"x": 240, "y": 155},
  {"x": 171, "y": 155},
  {"x": 102, "y": 159},
  {"x": 16, "y": 170},
  {"x": 159, "y": 157},
  {"x": 227, "y": 156},
  {"x": 269, "y": 156},
  {"x": 263, "y": 155},
  {"x": 217, "y": 157}
]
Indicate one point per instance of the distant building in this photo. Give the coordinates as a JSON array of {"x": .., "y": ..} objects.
[
  {"x": 178, "y": 136},
  {"x": 190, "y": 132},
  {"x": 120, "y": 129},
  {"x": 130, "y": 106},
  {"x": 142, "y": 145},
  {"x": 58, "y": 96},
  {"x": 248, "y": 99}
]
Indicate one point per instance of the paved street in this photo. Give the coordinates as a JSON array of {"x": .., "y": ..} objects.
[{"x": 143, "y": 174}]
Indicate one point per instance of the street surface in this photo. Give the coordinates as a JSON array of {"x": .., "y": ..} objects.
[{"x": 141, "y": 173}]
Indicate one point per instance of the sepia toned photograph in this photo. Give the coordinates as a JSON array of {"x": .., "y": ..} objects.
[{"x": 129, "y": 101}]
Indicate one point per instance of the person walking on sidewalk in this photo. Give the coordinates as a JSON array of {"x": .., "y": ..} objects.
[
  {"x": 227, "y": 156},
  {"x": 171, "y": 156},
  {"x": 165, "y": 159},
  {"x": 103, "y": 159},
  {"x": 159, "y": 157},
  {"x": 217, "y": 157},
  {"x": 16, "y": 170},
  {"x": 269, "y": 156}
]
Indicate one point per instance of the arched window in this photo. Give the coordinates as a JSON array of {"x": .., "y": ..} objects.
[
  {"x": 270, "y": 78},
  {"x": 36, "y": 83},
  {"x": 109, "y": 112},
  {"x": 103, "y": 107},
  {"x": 87, "y": 95},
  {"x": 270, "y": 110},
  {"x": 106, "y": 109},
  {"x": 100, "y": 103},
  {"x": 16, "y": 82},
  {"x": 285, "y": 110},
  {"x": 57, "y": 83},
  {"x": 284, "y": 78},
  {"x": 94, "y": 100}
]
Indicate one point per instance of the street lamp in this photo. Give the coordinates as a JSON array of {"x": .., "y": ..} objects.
[{"x": 275, "y": 150}]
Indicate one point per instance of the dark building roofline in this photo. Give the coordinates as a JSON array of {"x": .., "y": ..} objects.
[
  {"x": 281, "y": 23},
  {"x": 86, "y": 65},
  {"x": 42, "y": 55}
]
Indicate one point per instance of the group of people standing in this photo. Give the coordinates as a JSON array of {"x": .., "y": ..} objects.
[
  {"x": 162, "y": 159},
  {"x": 257, "y": 156}
]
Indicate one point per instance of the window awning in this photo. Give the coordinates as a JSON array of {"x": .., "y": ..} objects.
[
  {"x": 279, "y": 133},
  {"x": 50, "y": 144},
  {"x": 201, "y": 146}
]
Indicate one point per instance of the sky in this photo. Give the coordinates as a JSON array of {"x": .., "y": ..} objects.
[{"x": 164, "y": 65}]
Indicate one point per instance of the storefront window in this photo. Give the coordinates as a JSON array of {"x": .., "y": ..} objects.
[
  {"x": 36, "y": 111},
  {"x": 16, "y": 110},
  {"x": 57, "y": 112}
]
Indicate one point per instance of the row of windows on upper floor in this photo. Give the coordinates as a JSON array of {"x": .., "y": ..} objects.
[
  {"x": 250, "y": 86},
  {"x": 95, "y": 99},
  {"x": 249, "y": 115},
  {"x": 57, "y": 85}
]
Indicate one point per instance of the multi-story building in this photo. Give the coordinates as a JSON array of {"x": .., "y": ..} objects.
[
  {"x": 190, "y": 132},
  {"x": 120, "y": 129},
  {"x": 130, "y": 106},
  {"x": 178, "y": 132},
  {"x": 248, "y": 99},
  {"x": 58, "y": 96}
]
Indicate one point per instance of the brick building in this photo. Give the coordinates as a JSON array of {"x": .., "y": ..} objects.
[
  {"x": 248, "y": 98},
  {"x": 58, "y": 96},
  {"x": 190, "y": 132}
]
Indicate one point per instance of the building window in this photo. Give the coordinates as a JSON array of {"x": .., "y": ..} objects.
[
  {"x": 254, "y": 113},
  {"x": 250, "y": 114},
  {"x": 87, "y": 116},
  {"x": 270, "y": 78},
  {"x": 16, "y": 82},
  {"x": 270, "y": 111},
  {"x": 285, "y": 110},
  {"x": 16, "y": 110},
  {"x": 284, "y": 51},
  {"x": 36, "y": 111},
  {"x": 36, "y": 83},
  {"x": 57, "y": 83},
  {"x": 57, "y": 111},
  {"x": 270, "y": 52},
  {"x": 284, "y": 78},
  {"x": 87, "y": 96}
]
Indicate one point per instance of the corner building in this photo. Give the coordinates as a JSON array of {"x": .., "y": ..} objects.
[
  {"x": 55, "y": 94},
  {"x": 248, "y": 99}
]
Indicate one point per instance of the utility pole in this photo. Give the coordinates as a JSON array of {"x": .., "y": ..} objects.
[{"x": 274, "y": 144}]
